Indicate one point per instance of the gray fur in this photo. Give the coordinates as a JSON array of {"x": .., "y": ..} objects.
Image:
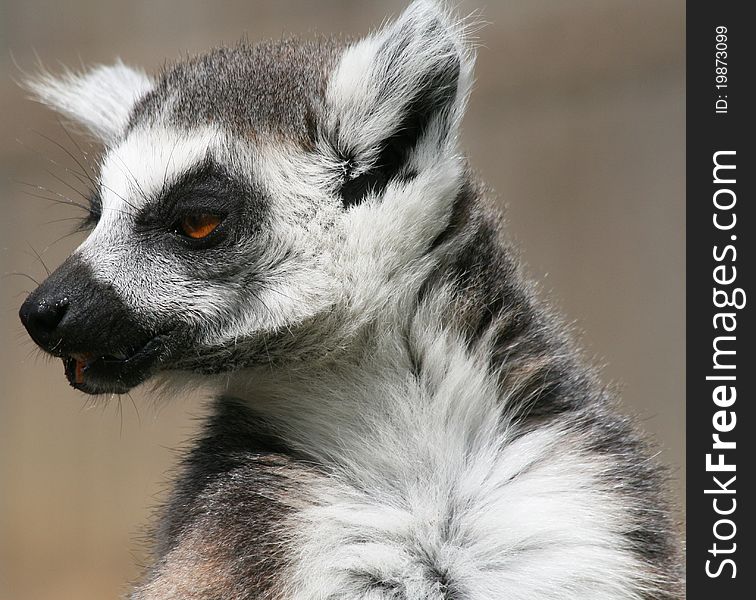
[{"x": 269, "y": 88}]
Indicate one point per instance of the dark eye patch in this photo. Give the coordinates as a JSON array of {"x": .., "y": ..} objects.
[{"x": 206, "y": 189}]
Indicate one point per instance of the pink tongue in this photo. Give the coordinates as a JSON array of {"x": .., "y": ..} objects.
[
  {"x": 81, "y": 362},
  {"x": 79, "y": 375}
]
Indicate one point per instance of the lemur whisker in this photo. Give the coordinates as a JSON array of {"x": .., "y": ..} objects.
[
  {"x": 63, "y": 199},
  {"x": 21, "y": 274},
  {"x": 33, "y": 353},
  {"x": 83, "y": 173},
  {"x": 94, "y": 184},
  {"x": 167, "y": 166},
  {"x": 84, "y": 154},
  {"x": 120, "y": 413},
  {"x": 63, "y": 237},
  {"x": 129, "y": 204},
  {"x": 79, "y": 177},
  {"x": 130, "y": 175},
  {"x": 67, "y": 184},
  {"x": 136, "y": 410},
  {"x": 43, "y": 156},
  {"x": 63, "y": 220},
  {"x": 66, "y": 201},
  {"x": 83, "y": 178},
  {"x": 44, "y": 266}
]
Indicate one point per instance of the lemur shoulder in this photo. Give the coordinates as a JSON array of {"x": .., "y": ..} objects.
[{"x": 292, "y": 225}]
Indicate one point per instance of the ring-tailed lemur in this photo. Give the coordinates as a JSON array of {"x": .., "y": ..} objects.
[{"x": 397, "y": 417}]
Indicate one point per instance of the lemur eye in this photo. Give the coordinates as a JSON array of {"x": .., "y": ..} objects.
[{"x": 199, "y": 226}]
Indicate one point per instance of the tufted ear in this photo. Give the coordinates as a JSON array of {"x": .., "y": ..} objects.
[
  {"x": 398, "y": 96},
  {"x": 100, "y": 99}
]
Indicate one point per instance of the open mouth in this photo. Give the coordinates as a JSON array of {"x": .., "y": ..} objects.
[{"x": 110, "y": 373}]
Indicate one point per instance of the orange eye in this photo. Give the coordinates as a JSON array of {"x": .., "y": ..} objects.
[{"x": 199, "y": 226}]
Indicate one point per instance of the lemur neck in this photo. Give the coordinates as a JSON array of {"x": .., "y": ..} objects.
[
  {"x": 464, "y": 345},
  {"x": 380, "y": 396}
]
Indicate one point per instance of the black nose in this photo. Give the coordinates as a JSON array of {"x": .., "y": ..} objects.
[{"x": 41, "y": 317}]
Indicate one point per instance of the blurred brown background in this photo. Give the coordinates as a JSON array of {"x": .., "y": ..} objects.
[{"x": 577, "y": 120}]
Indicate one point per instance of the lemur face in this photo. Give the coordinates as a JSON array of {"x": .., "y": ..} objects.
[{"x": 250, "y": 193}]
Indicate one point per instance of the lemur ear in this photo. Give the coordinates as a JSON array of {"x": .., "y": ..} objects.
[
  {"x": 397, "y": 97},
  {"x": 100, "y": 99}
]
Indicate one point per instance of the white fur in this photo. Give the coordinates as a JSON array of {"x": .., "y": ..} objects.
[
  {"x": 100, "y": 99},
  {"x": 426, "y": 471}
]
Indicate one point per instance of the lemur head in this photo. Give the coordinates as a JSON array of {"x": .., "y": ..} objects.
[{"x": 250, "y": 195}]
